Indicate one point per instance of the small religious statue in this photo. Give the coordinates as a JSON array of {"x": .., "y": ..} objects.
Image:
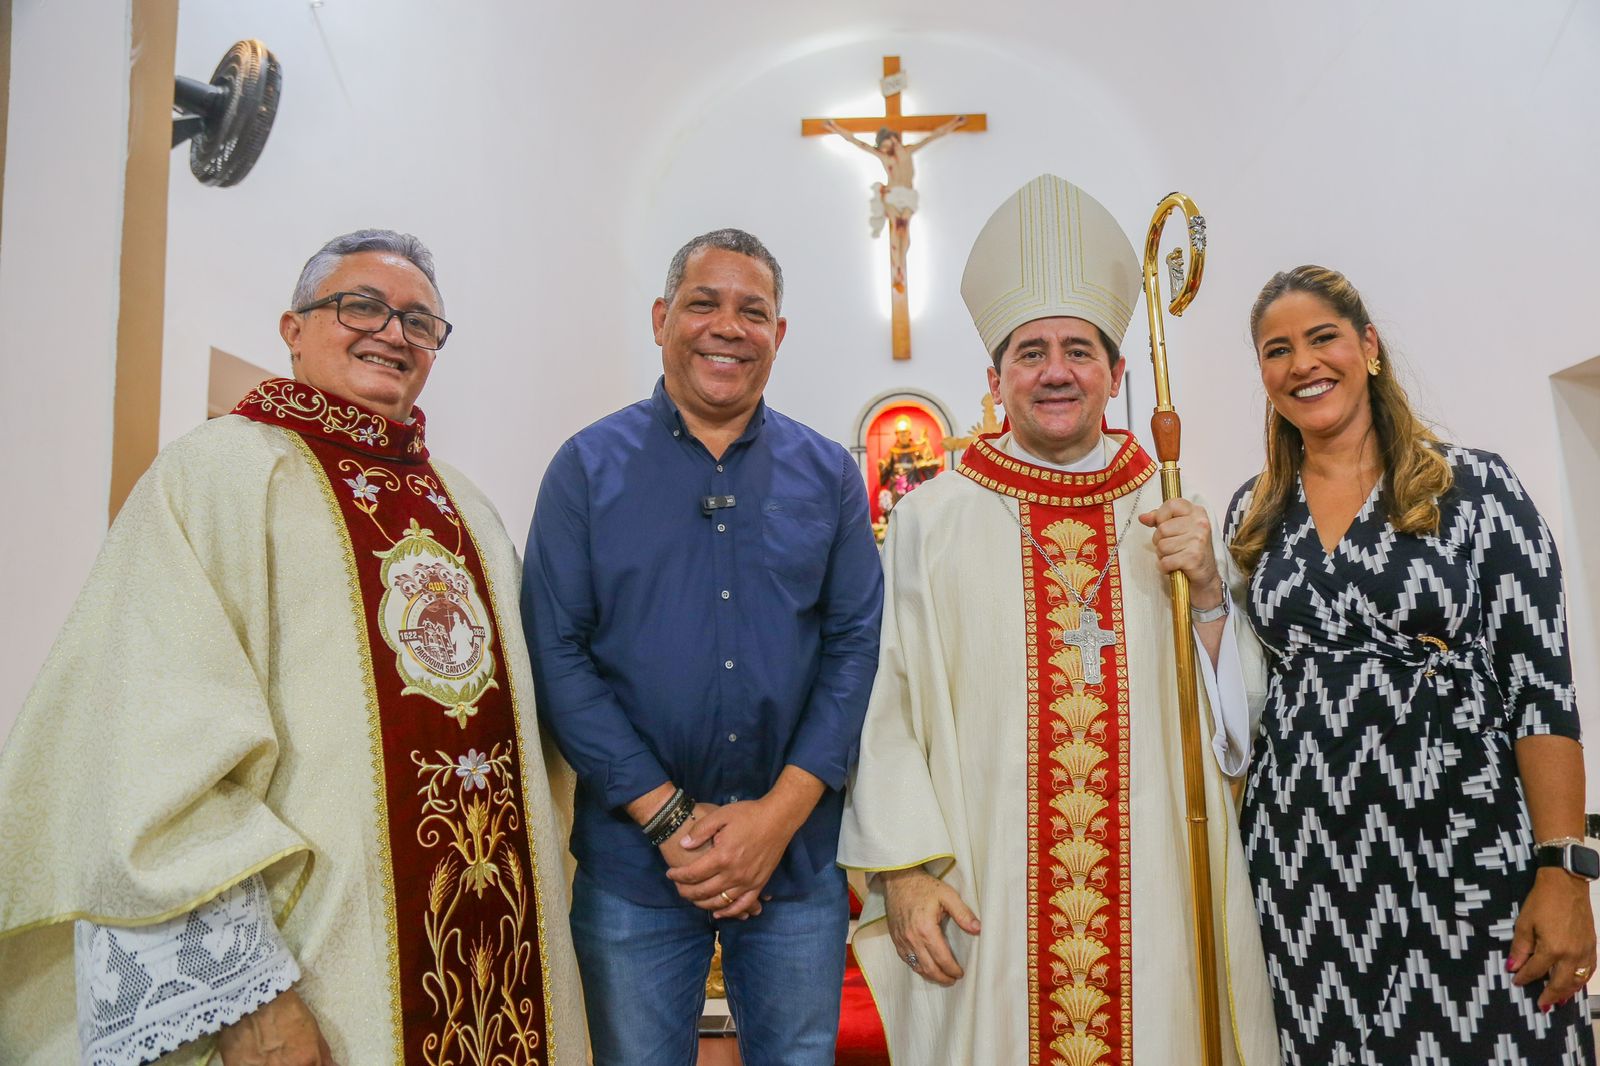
[
  {"x": 907, "y": 464},
  {"x": 895, "y": 200}
]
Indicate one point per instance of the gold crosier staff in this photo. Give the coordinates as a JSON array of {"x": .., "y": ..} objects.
[{"x": 1165, "y": 429}]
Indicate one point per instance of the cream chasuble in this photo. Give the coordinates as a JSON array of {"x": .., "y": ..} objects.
[
  {"x": 296, "y": 656},
  {"x": 1029, "y": 754}
]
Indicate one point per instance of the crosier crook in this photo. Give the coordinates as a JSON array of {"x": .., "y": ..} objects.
[{"x": 1166, "y": 431}]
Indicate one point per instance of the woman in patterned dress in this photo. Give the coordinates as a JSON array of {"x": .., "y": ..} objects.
[{"x": 1420, "y": 733}]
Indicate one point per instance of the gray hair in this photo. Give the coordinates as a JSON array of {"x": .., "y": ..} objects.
[
  {"x": 320, "y": 265},
  {"x": 728, "y": 240}
]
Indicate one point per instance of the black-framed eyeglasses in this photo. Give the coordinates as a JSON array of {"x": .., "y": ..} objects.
[{"x": 371, "y": 315}]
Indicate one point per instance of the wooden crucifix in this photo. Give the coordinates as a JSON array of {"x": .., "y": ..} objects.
[{"x": 895, "y": 198}]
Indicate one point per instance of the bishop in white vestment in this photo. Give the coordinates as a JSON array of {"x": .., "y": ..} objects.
[{"x": 1018, "y": 802}]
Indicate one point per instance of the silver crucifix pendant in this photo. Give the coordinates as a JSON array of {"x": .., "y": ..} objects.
[{"x": 1090, "y": 640}]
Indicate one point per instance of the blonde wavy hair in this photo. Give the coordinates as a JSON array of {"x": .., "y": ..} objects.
[{"x": 1415, "y": 474}]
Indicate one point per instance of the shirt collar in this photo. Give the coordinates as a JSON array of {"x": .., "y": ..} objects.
[{"x": 668, "y": 415}]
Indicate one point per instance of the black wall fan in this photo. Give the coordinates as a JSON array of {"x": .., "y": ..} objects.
[{"x": 227, "y": 120}]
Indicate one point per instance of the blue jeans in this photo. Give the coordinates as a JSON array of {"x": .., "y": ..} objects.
[{"x": 644, "y": 976}]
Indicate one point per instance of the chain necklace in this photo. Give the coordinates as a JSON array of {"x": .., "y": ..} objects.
[{"x": 1087, "y": 636}]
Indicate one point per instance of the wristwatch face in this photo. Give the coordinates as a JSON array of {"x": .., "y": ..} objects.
[{"x": 1585, "y": 862}]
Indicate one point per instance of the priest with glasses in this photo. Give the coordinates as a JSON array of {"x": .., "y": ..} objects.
[{"x": 278, "y": 793}]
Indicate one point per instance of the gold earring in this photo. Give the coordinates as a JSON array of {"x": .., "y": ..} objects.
[{"x": 1373, "y": 366}]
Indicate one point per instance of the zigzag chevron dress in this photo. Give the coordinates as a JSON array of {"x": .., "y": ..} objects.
[{"x": 1384, "y": 822}]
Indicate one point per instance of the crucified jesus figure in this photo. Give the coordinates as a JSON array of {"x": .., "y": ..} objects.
[{"x": 895, "y": 199}]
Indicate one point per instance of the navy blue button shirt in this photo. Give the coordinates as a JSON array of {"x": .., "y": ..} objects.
[{"x": 708, "y": 649}]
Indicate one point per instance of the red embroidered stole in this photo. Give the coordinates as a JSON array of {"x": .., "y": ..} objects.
[
  {"x": 468, "y": 981},
  {"x": 1080, "y": 919}
]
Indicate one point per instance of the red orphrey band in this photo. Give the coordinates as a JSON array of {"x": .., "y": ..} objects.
[
  {"x": 469, "y": 981},
  {"x": 1080, "y": 927}
]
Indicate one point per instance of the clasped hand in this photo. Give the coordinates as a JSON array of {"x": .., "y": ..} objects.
[{"x": 723, "y": 857}]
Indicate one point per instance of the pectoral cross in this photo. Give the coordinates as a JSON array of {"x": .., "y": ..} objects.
[
  {"x": 1089, "y": 639},
  {"x": 896, "y": 196}
]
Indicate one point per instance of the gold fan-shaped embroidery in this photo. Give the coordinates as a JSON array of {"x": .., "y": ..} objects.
[
  {"x": 1079, "y": 759},
  {"x": 1078, "y": 857},
  {"x": 1080, "y": 1003},
  {"x": 1069, "y": 535},
  {"x": 1079, "y": 808},
  {"x": 1080, "y": 953},
  {"x": 1079, "y": 711},
  {"x": 1080, "y": 1049},
  {"x": 1079, "y": 905}
]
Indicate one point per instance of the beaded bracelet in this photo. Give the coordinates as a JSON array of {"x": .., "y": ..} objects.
[
  {"x": 682, "y": 811},
  {"x": 663, "y": 812}
]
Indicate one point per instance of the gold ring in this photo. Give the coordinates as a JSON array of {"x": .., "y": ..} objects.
[
  {"x": 726, "y": 896},
  {"x": 1582, "y": 971}
]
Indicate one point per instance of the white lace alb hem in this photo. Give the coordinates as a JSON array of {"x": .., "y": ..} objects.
[{"x": 143, "y": 992}]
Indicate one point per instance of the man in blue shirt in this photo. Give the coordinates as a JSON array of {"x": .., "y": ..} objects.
[{"x": 702, "y": 597}]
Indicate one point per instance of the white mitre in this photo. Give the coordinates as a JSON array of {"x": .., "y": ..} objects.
[{"x": 1051, "y": 250}]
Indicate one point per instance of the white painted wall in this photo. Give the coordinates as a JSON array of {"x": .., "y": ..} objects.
[
  {"x": 555, "y": 155},
  {"x": 66, "y": 145},
  {"x": 412, "y": 116},
  {"x": 1576, "y": 392}
]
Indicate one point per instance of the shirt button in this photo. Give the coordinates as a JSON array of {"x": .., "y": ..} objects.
[
  {"x": 721, "y": 528},
  {"x": 719, "y": 468},
  {"x": 674, "y": 433},
  {"x": 728, "y": 665},
  {"x": 732, "y": 737},
  {"x": 726, "y": 593}
]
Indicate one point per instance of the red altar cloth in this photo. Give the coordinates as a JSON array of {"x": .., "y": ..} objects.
[{"x": 861, "y": 1039}]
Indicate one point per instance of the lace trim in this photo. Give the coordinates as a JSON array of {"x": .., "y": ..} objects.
[{"x": 145, "y": 992}]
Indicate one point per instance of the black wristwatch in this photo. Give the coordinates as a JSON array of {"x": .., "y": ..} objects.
[{"x": 1571, "y": 855}]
